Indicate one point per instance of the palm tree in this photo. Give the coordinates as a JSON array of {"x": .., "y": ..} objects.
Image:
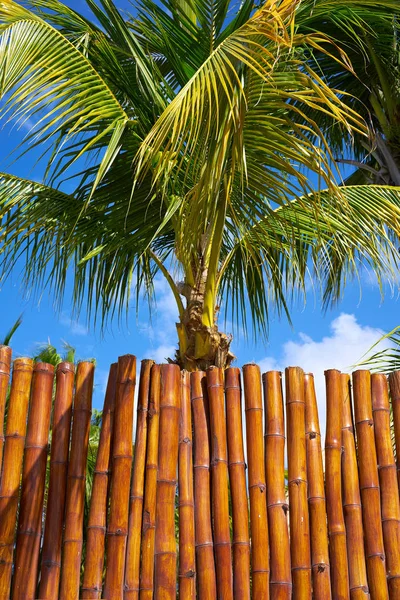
[
  {"x": 199, "y": 123},
  {"x": 372, "y": 45}
]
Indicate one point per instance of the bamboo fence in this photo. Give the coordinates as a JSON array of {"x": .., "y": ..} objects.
[{"x": 172, "y": 511}]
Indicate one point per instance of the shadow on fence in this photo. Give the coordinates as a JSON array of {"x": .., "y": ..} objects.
[{"x": 177, "y": 514}]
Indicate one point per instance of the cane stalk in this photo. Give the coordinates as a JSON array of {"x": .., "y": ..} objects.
[
  {"x": 187, "y": 558},
  {"x": 206, "y": 576},
  {"x": 96, "y": 528},
  {"x": 219, "y": 484},
  {"x": 388, "y": 482},
  {"x": 369, "y": 486},
  {"x": 150, "y": 490},
  {"x": 117, "y": 530},
  {"x": 333, "y": 471},
  {"x": 394, "y": 385},
  {"x": 75, "y": 498},
  {"x": 12, "y": 465},
  {"x": 5, "y": 367},
  {"x": 352, "y": 502},
  {"x": 321, "y": 578},
  {"x": 277, "y": 506},
  {"x": 132, "y": 568},
  {"x": 165, "y": 543},
  {"x": 33, "y": 483},
  {"x": 237, "y": 477},
  {"x": 297, "y": 479}
]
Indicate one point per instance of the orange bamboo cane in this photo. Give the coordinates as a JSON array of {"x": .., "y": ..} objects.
[
  {"x": 388, "y": 482},
  {"x": 120, "y": 477},
  {"x": 150, "y": 492},
  {"x": 219, "y": 484},
  {"x": 237, "y": 477},
  {"x": 316, "y": 497},
  {"x": 165, "y": 544},
  {"x": 132, "y": 568},
  {"x": 333, "y": 470},
  {"x": 33, "y": 484},
  {"x": 96, "y": 528},
  {"x": 277, "y": 506},
  {"x": 51, "y": 552},
  {"x": 74, "y": 505},
  {"x": 5, "y": 366},
  {"x": 394, "y": 384},
  {"x": 206, "y": 576},
  {"x": 257, "y": 487},
  {"x": 187, "y": 559},
  {"x": 13, "y": 455},
  {"x": 352, "y": 502},
  {"x": 369, "y": 486},
  {"x": 297, "y": 476}
]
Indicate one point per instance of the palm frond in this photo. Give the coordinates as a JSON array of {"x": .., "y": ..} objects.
[{"x": 386, "y": 360}]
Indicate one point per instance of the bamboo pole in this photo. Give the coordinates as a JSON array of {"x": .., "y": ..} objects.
[
  {"x": 352, "y": 502},
  {"x": 237, "y": 477},
  {"x": 369, "y": 486},
  {"x": 5, "y": 367},
  {"x": 120, "y": 477},
  {"x": 297, "y": 479},
  {"x": 321, "y": 578},
  {"x": 206, "y": 576},
  {"x": 394, "y": 384},
  {"x": 52, "y": 541},
  {"x": 388, "y": 482},
  {"x": 96, "y": 528},
  {"x": 219, "y": 484},
  {"x": 165, "y": 544},
  {"x": 13, "y": 456},
  {"x": 333, "y": 470},
  {"x": 75, "y": 498},
  {"x": 33, "y": 483},
  {"x": 132, "y": 568},
  {"x": 257, "y": 487},
  {"x": 277, "y": 506},
  {"x": 150, "y": 492},
  {"x": 187, "y": 558}
]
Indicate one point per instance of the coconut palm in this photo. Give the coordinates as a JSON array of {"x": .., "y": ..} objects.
[
  {"x": 189, "y": 140},
  {"x": 372, "y": 45}
]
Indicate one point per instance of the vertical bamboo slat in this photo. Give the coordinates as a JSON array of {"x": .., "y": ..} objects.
[
  {"x": 333, "y": 471},
  {"x": 33, "y": 483},
  {"x": 13, "y": 455},
  {"x": 219, "y": 484},
  {"x": 388, "y": 482},
  {"x": 187, "y": 558},
  {"x": 120, "y": 477},
  {"x": 257, "y": 487},
  {"x": 74, "y": 506},
  {"x": 297, "y": 479},
  {"x": 316, "y": 497},
  {"x": 277, "y": 506},
  {"x": 352, "y": 502},
  {"x": 165, "y": 544},
  {"x": 369, "y": 486},
  {"x": 132, "y": 568},
  {"x": 237, "y": 477},
  {"x": 394, "y": 385},
  {"x": 150, "y": 492},
  {"x": 96, "y": 528},
  {"x": 5, "y": 367},
  {"x": 205, "y": 566},
  {"x": 51, "y": 551}
]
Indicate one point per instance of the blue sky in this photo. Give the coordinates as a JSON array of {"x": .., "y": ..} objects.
[{"x": 316, "y": 341}]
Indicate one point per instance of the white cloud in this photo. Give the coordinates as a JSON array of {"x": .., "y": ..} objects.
[
  {"x": 344, "y": 347},
  {"x": 75, "y": 328}
]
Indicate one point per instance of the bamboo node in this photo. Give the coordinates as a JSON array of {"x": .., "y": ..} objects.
[
  {"x": 313, "y": 435},
  {"x": 188, "y": 575},
  {"x": 381, "y": 556},
  {"x": 261, "y": 486},
  {"x": 321, "y": 567},
  {"x": 186, "y": 440}
]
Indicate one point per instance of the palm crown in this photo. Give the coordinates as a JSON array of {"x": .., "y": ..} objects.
[{"x": 206, "y": 128}]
